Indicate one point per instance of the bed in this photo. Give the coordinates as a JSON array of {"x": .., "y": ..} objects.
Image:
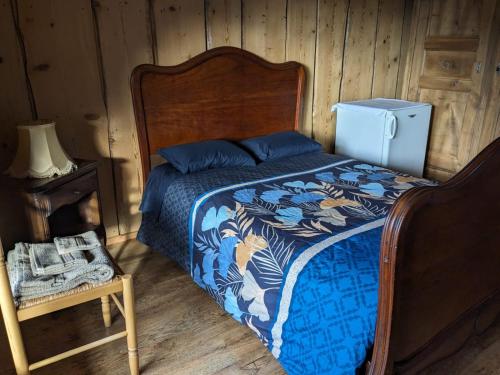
[{"x": 338, "y": 266}]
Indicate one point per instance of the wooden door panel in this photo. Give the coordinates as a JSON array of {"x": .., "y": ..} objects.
[
  {"x": 456, "y": 64},
  {"x": 456, "y": 17},
  {"x": 449, "y": 63},
  {"x": 447, "y": 115},
  {"x": 447, "y": 68},
  {"x": 446, "y": 81}
]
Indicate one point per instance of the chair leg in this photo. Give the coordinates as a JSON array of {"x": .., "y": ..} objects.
[
  {"x": 129, "y": 306},
  {"x": 12, "y": 326},
  {"x": 17, "y": 347},
  {"x": 106, "y": 311}
]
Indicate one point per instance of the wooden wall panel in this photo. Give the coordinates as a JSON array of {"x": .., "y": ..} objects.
[
  {"x": 447, "y": 117},
  {"x": 121, "y": 52},
  {"x": 387, "y": 48},
  {"x": 404, "y": 52},
  {"x": 332, "y": 18},
  {"x": 359, "y": 50},
  {"x": 14, "y": 95},
  {"x": 180, "y": 30},
  {"x": 80, "y": 55},
  {"x": 63, "y": 67},
  {"x": 301, "y": 47},
  {"x": 223, "y": 23},
  {"x": 414, "y": 60},
  {"x": 264, "y": 28}
]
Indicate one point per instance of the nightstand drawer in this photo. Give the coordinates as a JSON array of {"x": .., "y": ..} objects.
[{"x": 69, "y": 193}]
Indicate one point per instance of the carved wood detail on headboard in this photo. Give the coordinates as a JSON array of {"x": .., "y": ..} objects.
[{"x": 224, "y": 93}]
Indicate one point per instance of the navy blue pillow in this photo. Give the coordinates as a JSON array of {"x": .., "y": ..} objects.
[
  {"x": 199, "y": 156},
  {"x": 280, "y": 145}
]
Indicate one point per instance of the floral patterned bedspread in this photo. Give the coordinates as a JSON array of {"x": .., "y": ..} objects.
[{"x": 295, "y": 258}]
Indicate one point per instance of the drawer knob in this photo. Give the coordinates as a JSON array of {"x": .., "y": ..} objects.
[{"x": 77, "y": 192}]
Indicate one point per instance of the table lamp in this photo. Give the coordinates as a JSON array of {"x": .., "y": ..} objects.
[{"x": 39, "y": 153}]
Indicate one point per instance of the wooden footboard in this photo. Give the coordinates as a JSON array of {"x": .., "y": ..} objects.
[{"x": 439, "y": 268}]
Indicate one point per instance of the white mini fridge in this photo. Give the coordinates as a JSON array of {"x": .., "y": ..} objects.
[{"x": 386, "y": 132}]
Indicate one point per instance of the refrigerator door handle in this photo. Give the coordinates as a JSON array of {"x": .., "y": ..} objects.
[{"x": 392, "y": 127}]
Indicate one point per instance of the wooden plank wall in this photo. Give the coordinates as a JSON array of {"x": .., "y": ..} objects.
[{"x": 71, "y": 61}]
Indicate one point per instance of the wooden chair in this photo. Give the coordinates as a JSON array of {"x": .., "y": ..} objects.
[{"x": 13, "y": 315}]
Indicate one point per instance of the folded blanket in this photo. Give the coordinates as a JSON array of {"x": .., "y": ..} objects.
[
  {"x": 81, "y": 242},
  {"x": 45, "y": 259},
  {"x": 27, "y": 286}
]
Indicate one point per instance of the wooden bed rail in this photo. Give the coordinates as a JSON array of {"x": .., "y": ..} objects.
[{"x": 439, "y": 267}]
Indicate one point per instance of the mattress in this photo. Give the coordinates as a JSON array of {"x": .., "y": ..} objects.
[{"x": 288, "y": 248}]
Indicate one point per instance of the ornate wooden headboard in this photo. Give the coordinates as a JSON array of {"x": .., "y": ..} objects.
[{"x": 224, "y": 93}]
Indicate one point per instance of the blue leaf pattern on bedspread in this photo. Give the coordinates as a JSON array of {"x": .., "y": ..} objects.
[
  {"x": 248, "y": 248},
  {"x": 280, "y": 256},
  {"x": 214, "y": 217}
]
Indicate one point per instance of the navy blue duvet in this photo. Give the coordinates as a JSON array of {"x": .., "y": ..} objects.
[{"x": 289, "y": 248}]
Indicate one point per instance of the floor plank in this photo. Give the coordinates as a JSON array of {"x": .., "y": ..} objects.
[{"x": 183, "y": 332}]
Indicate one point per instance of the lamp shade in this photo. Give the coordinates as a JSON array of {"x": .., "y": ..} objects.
[{"x": 39, "y": 153}]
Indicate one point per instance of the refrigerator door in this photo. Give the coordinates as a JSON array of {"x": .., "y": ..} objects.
[
  {"x": 360, "y": 134},
  {"x": 405, "y": 151}
]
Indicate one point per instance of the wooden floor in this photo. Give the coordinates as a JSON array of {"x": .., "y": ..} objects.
[{"x": 182, "y": 331}]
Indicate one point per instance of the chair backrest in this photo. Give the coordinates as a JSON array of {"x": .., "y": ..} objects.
[
  {"x": 5, "y": 292},
  {"x": 2, "y": 257},
  {"x": 4, "y": 276}
]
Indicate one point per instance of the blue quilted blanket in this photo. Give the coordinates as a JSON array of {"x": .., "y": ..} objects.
[
  {"x": 295, "y": 258},
  {"x": 288, "y": 248}
]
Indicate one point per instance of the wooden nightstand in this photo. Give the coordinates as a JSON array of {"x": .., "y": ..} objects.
[{"x": 64, "y": 205}]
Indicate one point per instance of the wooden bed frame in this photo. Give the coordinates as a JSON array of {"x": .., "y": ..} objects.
[{"x": 440, "y": 250}]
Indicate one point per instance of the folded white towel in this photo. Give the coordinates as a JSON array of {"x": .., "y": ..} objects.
[
  {"x": 46, "y": 260},
  {"x": 80, "y": 242},
  {"x": 26, "y": 286}
]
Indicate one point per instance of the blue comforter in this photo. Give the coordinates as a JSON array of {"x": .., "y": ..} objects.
[{"x": 292, "y": 255}]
